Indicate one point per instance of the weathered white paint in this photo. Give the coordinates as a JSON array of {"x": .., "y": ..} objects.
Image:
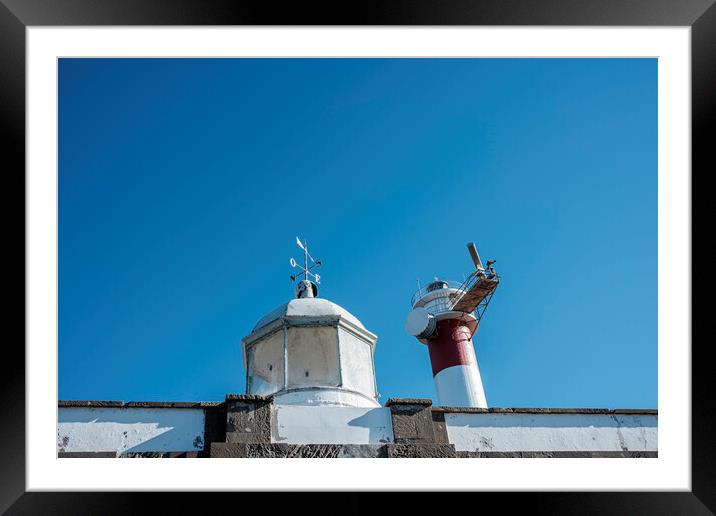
[
  {"x": 356, "y": 355},
  {"x": 332, "y": 425},
  {"x": 266, "y": 361},
  {"x": 460, "y": 386},
  {"x": 310, "y": 345},
  {"x": 552, "y": 432},
  {"x": 313, "y": 357},
  {"x": 307, "y": 307},
  {"x": 94, "y": 429},
  {"x": 324, "y": 396}
]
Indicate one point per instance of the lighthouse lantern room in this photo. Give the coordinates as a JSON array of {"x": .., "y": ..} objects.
[{"x": 310, "y": 351}]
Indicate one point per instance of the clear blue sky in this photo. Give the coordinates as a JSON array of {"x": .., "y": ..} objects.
[{"x": 184, "y": 182}]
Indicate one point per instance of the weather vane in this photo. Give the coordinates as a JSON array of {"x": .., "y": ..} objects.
[{"x": 307, "y": 274}]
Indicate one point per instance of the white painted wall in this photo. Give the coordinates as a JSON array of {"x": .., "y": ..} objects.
[
  {"x": 97, "y": 429},
  {"x": 332, "y": 425},
  {"x": 552, "y": 432}
]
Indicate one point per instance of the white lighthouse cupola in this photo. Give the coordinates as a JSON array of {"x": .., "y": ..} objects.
[{"x": 310, "y": 351}]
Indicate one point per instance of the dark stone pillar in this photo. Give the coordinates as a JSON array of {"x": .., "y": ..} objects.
[
  {"x": 248, "y": 419},
  {"x": 439, "y": 427},
  {"x": 414, "y": 430},
  {"x": 214, "y": 426},
  {"x": 412, "y": 420}
]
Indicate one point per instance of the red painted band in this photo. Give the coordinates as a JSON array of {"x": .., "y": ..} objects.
[{"x": 452, "y": 346}]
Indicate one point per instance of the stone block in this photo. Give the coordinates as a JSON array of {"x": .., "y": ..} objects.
[
  {"x": 229, "y": 451},
  {"x": 420, "y": 451},
  {"x": 440, "y": 428},
  {"x": 283, "y": 450},
  {"x": 412, "y": 420},
  {"x": 248, "y": 419},
  {"x": 363, "y": 451}
]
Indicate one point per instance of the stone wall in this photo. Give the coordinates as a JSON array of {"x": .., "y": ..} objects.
[
  {"x": 542, "y": 430},
  {"x": 138, "y": 428},
  {"x": 245, "y": 426}
]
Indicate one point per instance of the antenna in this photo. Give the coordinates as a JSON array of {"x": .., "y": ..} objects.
[
  {"x": 305, "y": 269},
  {"x": 475, "y": 257}
]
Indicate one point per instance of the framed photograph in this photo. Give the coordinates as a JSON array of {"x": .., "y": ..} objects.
[{"x": 181, "y": 157}]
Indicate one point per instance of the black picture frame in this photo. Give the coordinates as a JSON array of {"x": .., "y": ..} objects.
[{"x": 16, "y": 15}]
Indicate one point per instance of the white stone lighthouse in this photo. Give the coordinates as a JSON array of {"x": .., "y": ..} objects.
[{"x": 310, "y": 351}]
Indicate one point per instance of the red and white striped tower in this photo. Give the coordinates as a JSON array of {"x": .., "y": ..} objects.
[{"x": 445, "y": 316}]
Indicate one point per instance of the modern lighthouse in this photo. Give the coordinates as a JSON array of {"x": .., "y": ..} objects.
[{"x": 445, "y": 317}]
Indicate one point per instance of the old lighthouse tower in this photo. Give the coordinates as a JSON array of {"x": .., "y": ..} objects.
[{"x": 310, "y": 351}]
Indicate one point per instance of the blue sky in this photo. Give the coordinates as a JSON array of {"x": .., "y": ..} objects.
[{"x": 184, "y": 182}]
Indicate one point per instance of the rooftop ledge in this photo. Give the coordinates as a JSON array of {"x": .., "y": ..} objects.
[
  {"x": 391, "y": 401},
  {"x": 530, "y": 410},
  {"x": 138, "y": 404}
]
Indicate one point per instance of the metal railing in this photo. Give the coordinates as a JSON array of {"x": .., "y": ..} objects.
[
  {"x": 453, "y": 292},
  {"x": 448, "y": 300}
]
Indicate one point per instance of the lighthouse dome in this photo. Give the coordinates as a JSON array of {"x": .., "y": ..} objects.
[
  {"x": 311, "y": 351},
  {"x": 308, "y": 307}
]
